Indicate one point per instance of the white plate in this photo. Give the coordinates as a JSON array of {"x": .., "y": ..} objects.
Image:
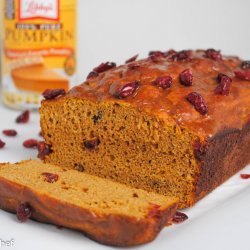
[{"x": 219, "y": 221}]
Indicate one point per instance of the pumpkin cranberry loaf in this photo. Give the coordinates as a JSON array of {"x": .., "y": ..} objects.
[
  {"x": 108, "y": 212},
  {"x": 175, "y": 123}
]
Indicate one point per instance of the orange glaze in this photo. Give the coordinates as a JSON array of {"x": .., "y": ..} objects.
[{"x": 231, "y": 111}]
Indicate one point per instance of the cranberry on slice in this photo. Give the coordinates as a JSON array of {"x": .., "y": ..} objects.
[
  {"x": 186, "y": 77},
  {"x": 24, "y": 117},
  {"x": 243, "y": 75},
  {"x": 213, "y": 54},
  {"x": 91, "y": 144},
  {"x": 49, "y": 177},
  {"x": 31, "y": 143},
  {"x": 10, "y": 132},
  {"x": 163, "y": 82},
  {"x": 245, "y": 65},
  {"x": 92, "y": 74},
  {"x": 2, "y": 144},
  {"x": 50, "y": 94},
  {"x": 128, "y": 89},
  {"x": 104, "y": 67},
  {"x": 179, "y": 217},
  {"x": 170, "y": 52},
  {"x": 198, "y": 102},
  {"x": 43, "y": 150},
  {"x": 245, "y": 176},
  {"x": 23, "y": 212},
  {"x": 133, "y": 66},
  {"x": 132, "y": 59}
]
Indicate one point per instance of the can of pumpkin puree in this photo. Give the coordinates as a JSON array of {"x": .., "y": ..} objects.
[{"x": 38, "y": 49}]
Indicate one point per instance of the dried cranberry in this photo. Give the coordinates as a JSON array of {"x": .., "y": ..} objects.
[
  {"x": 132, "y": 59},
  {"x": 179, "y": 217},
  {"x": 154, "y": 211},
  {"x": 31, "y": 143},
  {"x": 10, "y": 132},
  {"x": 128, "y": 89},
  {"x": 224, "y": 84},
  {"x": 245, "y": 176},
  {"x": 104, "y": 67},
  {"x": 23, "y": 212},
  {"x": 51, "y": 178},
  {"x": 213, "y": 54},
  {"x": 245, "y": 65},
  {"x": 2, "y": 144},
  {"x": 133, "y": 66},
  {"x": 183, "y": 55},
  {"x": 91, "y": 144},
  {"x": 24, "y": 117},
  {"x": 156, "y": 53},
  {"x": 186, "y": 77},
  {"x": 92, "y": 74},
  {"x": 49, "y": 94},
  {"x": 198, "y": 102},
  {"x": 163, "y": 82},
  {"x": 243, "y": 75},
  {"x": 43, "y": 150},
  {"x": 170, "y": 52}
]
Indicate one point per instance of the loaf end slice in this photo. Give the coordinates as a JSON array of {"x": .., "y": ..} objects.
[{"x": 106, "y": 211}]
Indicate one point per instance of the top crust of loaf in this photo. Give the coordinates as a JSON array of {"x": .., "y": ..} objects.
[{"x": 172, "y": 102}]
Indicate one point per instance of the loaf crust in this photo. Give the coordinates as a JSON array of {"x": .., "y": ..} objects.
[
  {"x": 215, "y": 145},
  {"x": 111, "y": 229}
]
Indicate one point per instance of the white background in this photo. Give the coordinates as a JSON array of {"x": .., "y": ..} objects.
[{"x": 113, "y": 30}]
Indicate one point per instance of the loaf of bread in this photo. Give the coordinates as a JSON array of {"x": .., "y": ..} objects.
[
  {"x": 175, "y": 123},
  {"x": 108, "y": 212}
]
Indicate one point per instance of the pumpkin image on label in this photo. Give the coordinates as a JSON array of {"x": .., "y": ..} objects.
[{"x": 39, "y": 49}]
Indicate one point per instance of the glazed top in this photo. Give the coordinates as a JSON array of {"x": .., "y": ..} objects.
[{"x": 223, "y": 110}]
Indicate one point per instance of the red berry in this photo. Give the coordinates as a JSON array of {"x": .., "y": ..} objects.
[
  {"x": 213, "y": 54},
  {"x": 128, "y": 89},
  {"x": 49, "y": 177},
  {"x": 183, "y": 55},
  {"x": 2, "y": 144},
  {"x": 31, "y": 143},
  {"x": 104, "y": 67},
  {"x": 50, "y": 94},
  {"x": 198, "y": 102},
  {"x": 133, "y": 66},
  {"x": 92, "y": 74},
  {"x": 132, "y": 59},
  {"x": 245, "y": 176},
  {"x": 10, "y": 132},
  {"x": 23, "y": 212},
  {"x": 24, "y": 117},
  {"x": 170, "y": 52},
  {"x": 245, "y": 65},
  {"x": 224, "y": 84},
  {"x": 186, "y": 77},
  {"x": 163, "y": 82},
  {"x": 91, "y": 144},
  {"x": 243, "y": 75},
  {"x": 179, "y": 217},
  {"x": 43, "y": 150}
]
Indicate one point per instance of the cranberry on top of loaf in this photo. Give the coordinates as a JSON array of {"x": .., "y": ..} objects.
[{"x": 201, "y": 90}]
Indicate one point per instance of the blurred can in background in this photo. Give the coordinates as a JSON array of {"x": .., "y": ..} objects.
[{"x": 38, "y": 49}]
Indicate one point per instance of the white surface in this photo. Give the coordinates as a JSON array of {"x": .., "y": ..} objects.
[{"x": 220, "y": 221}]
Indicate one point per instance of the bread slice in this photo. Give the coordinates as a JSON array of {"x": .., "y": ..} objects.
[{"x": 108, "y": 212}]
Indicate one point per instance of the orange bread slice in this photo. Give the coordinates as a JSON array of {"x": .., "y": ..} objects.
[{"x": 108, "y": 212}]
